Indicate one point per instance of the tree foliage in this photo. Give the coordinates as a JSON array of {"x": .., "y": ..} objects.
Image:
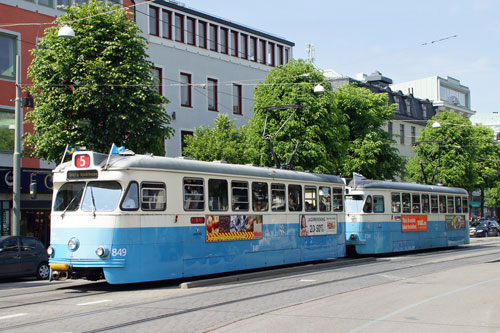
[
  {"x": 319, "y": 126},
  {"x": 370, "y": 149},
  {"x": 95, "y": 89},
  {"x": 451, "y": 152},
  {"x": 224, "y": 142}
]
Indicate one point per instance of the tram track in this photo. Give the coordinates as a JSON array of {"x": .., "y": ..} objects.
[{"x": 409, "y": 263}]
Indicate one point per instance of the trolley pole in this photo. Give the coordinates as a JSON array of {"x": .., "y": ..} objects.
[{"x": 16, "y": 188}]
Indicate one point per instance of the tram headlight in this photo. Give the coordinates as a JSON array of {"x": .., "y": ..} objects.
[
  {"x": 73, "y": 244},
  {"x": 50, "y": 251},
  {"x": 102, "y": 251}
]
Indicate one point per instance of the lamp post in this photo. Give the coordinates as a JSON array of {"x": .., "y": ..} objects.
[{"x": 65, "y": 32}]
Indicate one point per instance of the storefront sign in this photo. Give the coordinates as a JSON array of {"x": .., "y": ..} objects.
[
  {"x": 414, "y": 223},
  {"x": 315, "y": 225},
  {"x": 233, "y": 227},
  {"x": 43, "y": 179}
]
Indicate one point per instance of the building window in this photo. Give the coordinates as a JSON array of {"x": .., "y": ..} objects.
[
  {"x": 287, "y": 55},
  {"x": 157, "y": 73},
  {"x": 408, "y": 106},
  {"x": 186, "y": 90},
  {"x": 279, "y": 49},
  {"x": 179, "y": 28},
  {"x": 396, "y": 102},
  {"x": 213, "y": 37},
  {"x": 202, "y": 34},
  {"x": 153, "y": 21},
  {"x": 262, "y": 51},
  {"x": 234, "y": 43},
  {"x": 270, "y": 54},
  {"x": 424, "y": 111},
  {"x": 252, "y": 49},
  {"x": 243, "y": 46},
  {"x": 402, "y": 134},
  {"x": 223, "y": 40},
  {"x": 6, "y": 130},
  {"x": 191, "y": 32},
  {"x": 166, "y": 21},
  {"x": 389, "y": 128},
  {"x": 413, "y": 135},
  {"x": 8, "y": 56},
  {"x": 212, "y": 94},
  {"x": 184, "y": 134},
  {"x": 63, "y": 3},
  {"x": 237, "y": 99},
  {"x": 47, "y": 3}
]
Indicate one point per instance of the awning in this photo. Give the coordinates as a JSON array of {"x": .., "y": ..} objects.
[{"x": 476, "y": 204}]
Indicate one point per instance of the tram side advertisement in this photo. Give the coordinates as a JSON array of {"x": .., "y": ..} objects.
[
  {"x": 454, "y": 222},
  {"x": 315, "y": 225},
  {"x": 233, "y": 227},
  {"x": 413, "y": 223}
]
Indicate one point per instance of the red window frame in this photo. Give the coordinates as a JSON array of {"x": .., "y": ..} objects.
[
  {"x": 167, "y": 27},
  {"x": 224, "y": 47},
  {"x": 160, "y": 75},
  {"x": 263, "y": 52},
  {"x": 215, "y": 35},
  {"x": 156, "y": 20},
  {"x": 237, "y": 108},
  {"x": 234, "y": 43},
  {"x": 243, "y": 46},
  {"x": 202, "y": 38},
  {"x": 188, "y": 91},
  {"x": 271, "y": 54},
  {"x": 193, "y": 22},
  {"x": 215, "y": 91},
  {"x": 179, "y": 29},
  {"x": 253, "y": 46}
]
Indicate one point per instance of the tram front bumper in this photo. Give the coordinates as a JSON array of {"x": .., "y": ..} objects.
[{"x": 63, "y": 269}]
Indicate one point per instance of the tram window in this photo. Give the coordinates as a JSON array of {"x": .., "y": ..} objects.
[
  {"x": 310, "y": 198},
  {"x": 415, "y": 203},
  {"x": 367, "y": 208},
  {"x": 278, "y": 197},
  {"x": 465, "y": 205},
  {"x": 239, "y": 199},
  {"x": 353, "y": 203},
  {"x": 101, "y": 196},
  {"x": 378, "y": 204},
  {"x": 451, "y": 205},
  {"x": 131, "y": 198},
  {"x": 396, "y": 203},
  {"x": 406, "y": 198},
  {"x": 442, "y": 204},
  {"x": 260, "y": 197},
  {"x": 217, "y": 195},
  {"x": 153, "y": 196},
  {"x": 295, "y": 198},
  {"x": 325, "y": 199},
  {"x": 68, "y": 197},
  {"x": 425, "y": 203},
  {"x": 193, "y": 194},
  {"x": 434, "y": 204},
  {"x": 458, "y": 204},
  {"x": 338, "y": 202}
]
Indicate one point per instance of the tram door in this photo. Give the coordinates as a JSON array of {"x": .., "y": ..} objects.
[{"x": 37, "y": 224}]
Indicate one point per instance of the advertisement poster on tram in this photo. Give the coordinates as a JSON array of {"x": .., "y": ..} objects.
[
  {"x": 454, "y": 222},
  {"x": 315, "y": 225},
  {"x": 414, "y": 223},
  {"x": 222, "y": 228}
]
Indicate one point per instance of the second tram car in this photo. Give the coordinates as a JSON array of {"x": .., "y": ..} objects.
[
  {"x": 133, "y": 218},
  {"x": 385, "y": 216}
]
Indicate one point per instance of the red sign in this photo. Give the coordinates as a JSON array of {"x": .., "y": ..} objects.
[
  {"x": 82, "y": 161},
  {"x": 414, "y": 223}
]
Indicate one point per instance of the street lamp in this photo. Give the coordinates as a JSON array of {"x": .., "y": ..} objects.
[{"x": 66, "y": 32}]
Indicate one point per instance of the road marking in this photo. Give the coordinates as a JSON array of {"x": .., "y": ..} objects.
[
  {"x": 406, "y": 308},
  {"x": 306, "y": 280},
  {"x": 13, "y": 316},
  {"x": 96, "y": 302}
]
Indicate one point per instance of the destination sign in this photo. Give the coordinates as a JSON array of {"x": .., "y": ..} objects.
[{"x": 82, "y": 174}]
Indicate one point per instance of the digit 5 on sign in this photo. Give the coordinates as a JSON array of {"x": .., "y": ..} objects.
[{"x": 82, "y": 161}]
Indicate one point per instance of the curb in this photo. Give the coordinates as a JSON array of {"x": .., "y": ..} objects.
[{"x": 274, "y": 272}]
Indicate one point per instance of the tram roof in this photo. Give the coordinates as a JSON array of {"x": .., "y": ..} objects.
[
  {"x": 388, "y": 185},
  {"x": 151, "y": 162}
]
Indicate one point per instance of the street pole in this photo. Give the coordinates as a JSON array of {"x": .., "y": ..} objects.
[{"x": 16, "y": 189}]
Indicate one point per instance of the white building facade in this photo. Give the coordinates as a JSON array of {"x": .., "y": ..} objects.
[
  {"x": 206, "y": 65},
  {"x": 445, "y": 93}
]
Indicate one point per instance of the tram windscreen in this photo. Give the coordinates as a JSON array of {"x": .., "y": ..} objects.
[
  {"x": 68, "y": 197},
  {"x": 101, "y": 196},
  {"x": 353, "y": 203}
]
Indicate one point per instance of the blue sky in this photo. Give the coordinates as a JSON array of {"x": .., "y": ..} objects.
[{"x": 387, "y": 35}]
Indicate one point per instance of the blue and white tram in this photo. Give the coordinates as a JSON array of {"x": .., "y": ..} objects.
[
  {"x": 384, "y": 216},
  {"x": 140, "y": 218}
]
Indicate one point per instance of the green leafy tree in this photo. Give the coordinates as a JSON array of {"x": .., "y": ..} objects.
[
  {"x": 448, "y": 153},
  {"x": 319, "y": 126},
  {"x": 224, "y": 142},
  {"x": 95, "y": 89},
  {"x": 370, "y": 149}
]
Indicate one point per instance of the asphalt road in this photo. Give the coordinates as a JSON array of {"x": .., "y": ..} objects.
[{"x": 452, "y": 290}]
